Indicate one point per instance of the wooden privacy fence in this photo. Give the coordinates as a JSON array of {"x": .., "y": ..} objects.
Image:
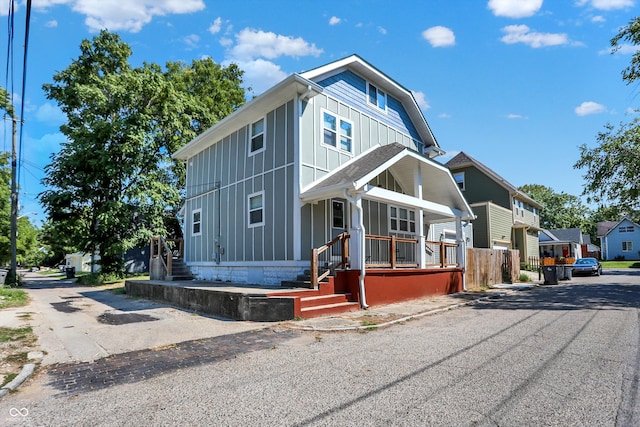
[{"x": 487, "y": 267}]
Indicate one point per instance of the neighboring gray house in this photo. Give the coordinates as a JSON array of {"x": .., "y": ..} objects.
[
  {"x": 340, "y": 148},
  {"x": 561, "y": 243},
  {"x": 506, "y": 218},
  {"x": 619, "y": 240}
]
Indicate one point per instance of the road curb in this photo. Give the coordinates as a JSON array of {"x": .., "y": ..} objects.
[
  {"x": 25, "y": 373},
  {"x": 400, "y": 320}
]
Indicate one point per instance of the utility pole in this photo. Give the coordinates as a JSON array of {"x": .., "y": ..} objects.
[{"x": 12, "y": 277}]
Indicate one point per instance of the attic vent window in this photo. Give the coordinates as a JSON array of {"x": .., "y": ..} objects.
[{"x": 377, "y": 97}]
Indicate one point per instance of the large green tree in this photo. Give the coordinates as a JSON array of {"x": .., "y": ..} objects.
[
  {"x": 611, "y": 175},
  {"x": 114, "y": 184},
  {"x": 559, "y": 210}
]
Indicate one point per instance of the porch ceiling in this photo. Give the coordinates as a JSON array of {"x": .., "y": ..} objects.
[{"x": 441, "y": 197}]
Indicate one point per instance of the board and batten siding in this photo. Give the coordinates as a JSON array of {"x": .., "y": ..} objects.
[
  {"x": 500, "y": 222},
  {"x": 219, "y": 182},
  {"x": 345, "y": 96}
]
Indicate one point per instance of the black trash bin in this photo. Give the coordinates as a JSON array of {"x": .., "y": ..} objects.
[
  {"x": 550, "y": 275},
  {"x": 71, "y": 272}
]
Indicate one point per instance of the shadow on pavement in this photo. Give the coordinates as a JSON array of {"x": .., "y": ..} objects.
[{"x": 569, "y": 297}]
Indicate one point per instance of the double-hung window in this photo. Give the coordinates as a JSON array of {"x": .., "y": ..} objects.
[
  {"x": 402, "y": 220},
  {"x": 257, "y": 137},
  {"x": 377, "y": 97},
  {"x": 256, "y": 209},
  {"x": 336, "y": 132},
  {"x": 627, "y": 246},
  {"x": 196, "y": 222}
]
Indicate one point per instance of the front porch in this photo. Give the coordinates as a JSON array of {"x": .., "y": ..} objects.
[{"x": 335, "y": 295}]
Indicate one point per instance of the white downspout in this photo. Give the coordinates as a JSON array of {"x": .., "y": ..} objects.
[{"x": 363, "y": 258}]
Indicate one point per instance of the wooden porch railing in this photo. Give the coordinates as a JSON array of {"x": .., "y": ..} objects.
[
  {"x": 390, "y": 251},
  {"x": 166, "y": 250},
  {"x": 442, "y": 254},
  {"x": 328, "y": 257},
  {"x": 380, "y": 252}
]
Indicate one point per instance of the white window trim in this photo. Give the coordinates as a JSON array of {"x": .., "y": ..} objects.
[
  {"x": 409, "y": 221},
  {"x": 251, "y": 136},
  {"x": 627, "y": 244},
  {"x": 464, "y": 182},
  {"x": 386, "y": 98},
  {"x": 339, "y": 118},
  {"x": 249, "y": 197},
  {"x": 193, "y": 214},
  {"x": 344, "y": 215}
]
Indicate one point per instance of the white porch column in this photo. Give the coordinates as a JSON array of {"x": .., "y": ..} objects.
[
  {"x": 462, "y": 243},
  {"x": 421, "y": 255},
  {"x": 356, "y": 249}
]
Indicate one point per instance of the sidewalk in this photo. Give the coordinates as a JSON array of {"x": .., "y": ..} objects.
[{"x": 386, "y": 315}]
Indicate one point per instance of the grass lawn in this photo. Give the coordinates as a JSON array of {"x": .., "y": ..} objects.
[
  {"x": 620, "y": 264},
  {"x": 12, "y": 297}
]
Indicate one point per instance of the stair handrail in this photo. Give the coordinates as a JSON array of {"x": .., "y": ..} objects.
[
  {"x": 165, "y": 253},
  {"x": 343, "y": 239}
]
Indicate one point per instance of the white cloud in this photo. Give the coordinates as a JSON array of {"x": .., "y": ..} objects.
[
  {"x": 334, "y": 20},
  {"x": 253, "y": 49},
  {"x": 421, "y": 100},
  {"x": 260, "y": 74},
  {"x": 523, "y": 34},
  {"x": 439, "y": 36},
  {"x": 590, "y": 107},
  {"x": 607, "y": 4},
  {"x": 515, "y": 116},
  {"x": 49, "y": 113},
  {"x": 216, "y": 26},
  {"x": 444, "y": 115},
  {"x": 597, "y": 19},
  {"x": 118, "y": 15},
  {"x": 627, "y": 49},
  {"x": 51, "y": 24},
  {"x": 382, "y": 30},
  {"x": 514, "y": 8},
  {"x": 257, "y": 43},
  {"x": 192, "y": 40}
]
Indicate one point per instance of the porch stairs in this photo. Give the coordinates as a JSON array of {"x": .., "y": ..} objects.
[
  {"x": 179, "y": 270},
  {"x": 324, "y": 300}
]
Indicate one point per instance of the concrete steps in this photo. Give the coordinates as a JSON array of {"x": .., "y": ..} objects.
[{"x": 179, "y": 271}]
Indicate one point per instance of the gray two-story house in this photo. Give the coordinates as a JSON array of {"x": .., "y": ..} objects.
[
  {"x": 506, "y": 218},
  {"x": 340, "y": 150}
]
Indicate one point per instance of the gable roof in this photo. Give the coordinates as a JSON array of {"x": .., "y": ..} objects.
[
  {"x": 287, "y": 89},
  {"x": 608, "y": 226},
  {"x": 305, "y": 84},
  {"x": 568, "y": 234},
  {"x": 439, "y": 187},
  {"x": 370, "y": 73},
  {"x": 463, "y": 160}
]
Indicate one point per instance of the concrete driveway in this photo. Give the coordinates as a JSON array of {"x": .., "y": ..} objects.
[{"x": 78, "y": 323}]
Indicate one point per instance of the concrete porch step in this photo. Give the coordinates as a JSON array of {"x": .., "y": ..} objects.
[{"x": 323, "y": 310}]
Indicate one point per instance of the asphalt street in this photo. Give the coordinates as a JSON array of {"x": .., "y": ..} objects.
[{"x": 554, "y": 355}]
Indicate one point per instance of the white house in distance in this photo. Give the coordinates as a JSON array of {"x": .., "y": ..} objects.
[{"x": 340, "y": 150}]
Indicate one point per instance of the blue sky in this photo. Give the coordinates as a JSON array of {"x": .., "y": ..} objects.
[{"x": 516, "y": 84}]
